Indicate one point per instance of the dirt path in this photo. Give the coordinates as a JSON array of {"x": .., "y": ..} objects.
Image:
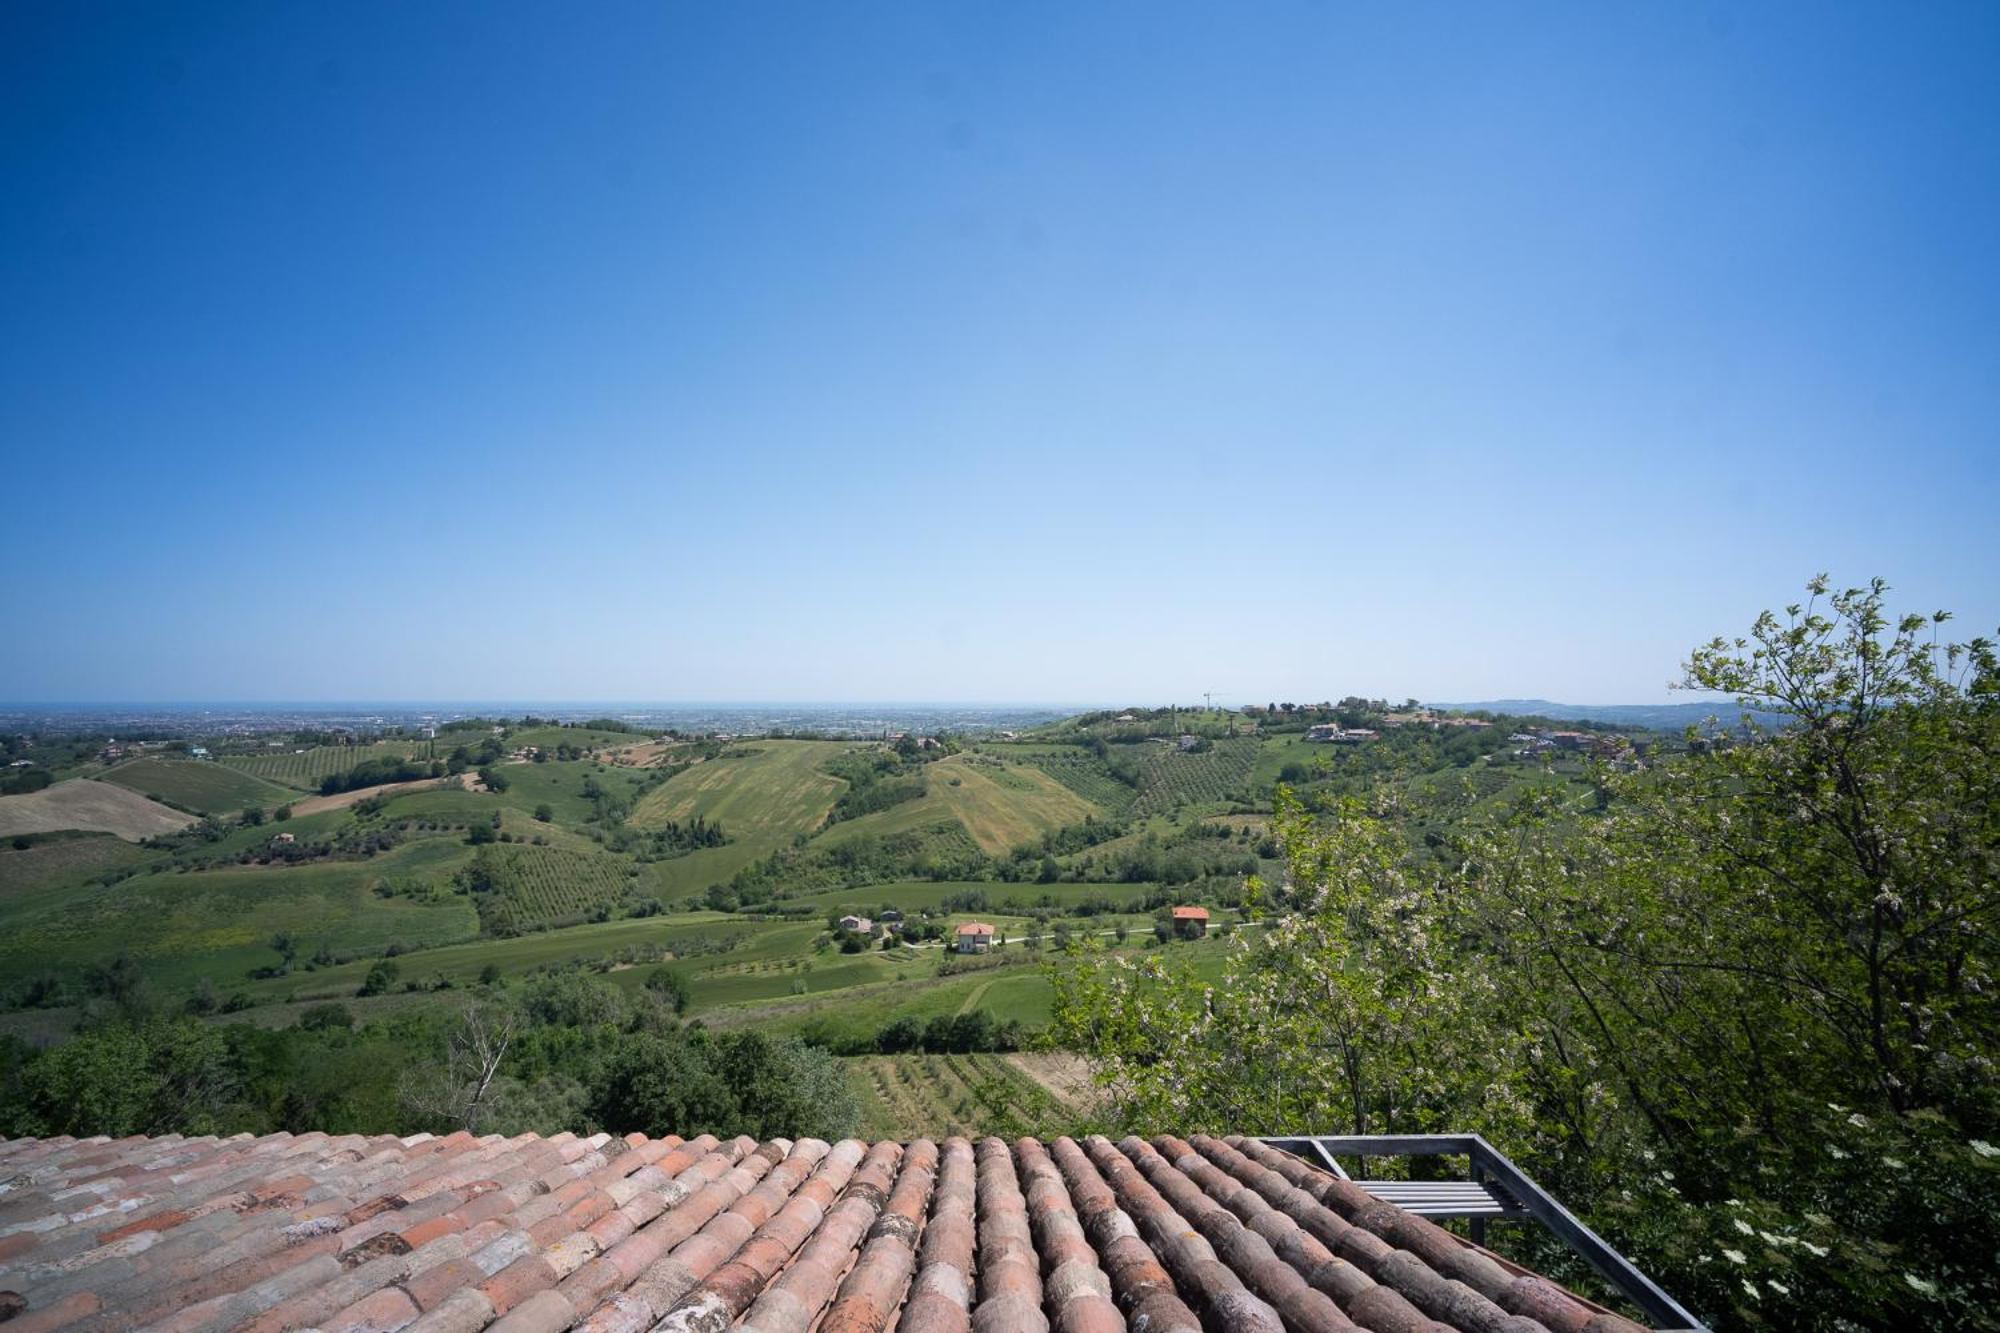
[
  {"x": 313, "y": 805},
  {"x": 974, "y": 996}
]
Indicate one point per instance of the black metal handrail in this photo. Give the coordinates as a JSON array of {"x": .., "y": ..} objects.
[{"x": 1325, "y": 1150}]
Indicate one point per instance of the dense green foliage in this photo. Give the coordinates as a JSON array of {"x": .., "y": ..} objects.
[
  {"x": 876, "y": 780},
  {"x": 1740, "y": 1011},
  {"x": 375, "y": 772},
  {"x": 563, "y": 1049}
]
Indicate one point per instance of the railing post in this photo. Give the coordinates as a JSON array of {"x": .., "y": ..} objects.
[{"x": 1478, "y": 1223}]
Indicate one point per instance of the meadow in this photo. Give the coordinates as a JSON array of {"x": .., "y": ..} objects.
[
  {"x": 1170, "y": 778},
  {"x": 218, "y": 923},
  {"x": 305, "y": 768},
  {"x": 1000, "y": 805},
  {"x": 203, "y": 786},
  {"x": 88, "y": 805},
  {"x": 904, "y": 1096}
]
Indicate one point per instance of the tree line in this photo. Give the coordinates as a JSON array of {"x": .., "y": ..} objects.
[{"x": 561, "y": 1050}]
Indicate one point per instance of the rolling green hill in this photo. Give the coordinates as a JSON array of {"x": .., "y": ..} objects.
[
  {"x": 1170, "y": 778},
  {"x": 81, "y": 803},
  {"x": 219, "y": 922},
  {"x": 577, "y": 863},
  {"x": 202, "y": 786},
  {"x": 762, "y": 789},
  {"x": 305, "y": 769},
  {"x": 763, "y": 793},
  {"x": 1001, "y": 805}
]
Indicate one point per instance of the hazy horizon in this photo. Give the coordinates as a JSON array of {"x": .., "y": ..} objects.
[
  {"x": 1052, "y": 352},
  {"x": 509, "y": 705}
]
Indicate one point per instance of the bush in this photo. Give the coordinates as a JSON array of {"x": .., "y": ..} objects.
[
  {"x": 380, "y": 978},
  {"x": 745, "y": 1083},
  {"x": 573, "y": 1000},
  {"x": 671, "y": 986},
  {"x": 151, "y": 1078},
  {"x": 905, "y": 1034},
  {"x": 326, "y": 1017}
]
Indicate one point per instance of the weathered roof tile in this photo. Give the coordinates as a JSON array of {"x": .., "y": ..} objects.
[{"x": 459, "y": 1233}]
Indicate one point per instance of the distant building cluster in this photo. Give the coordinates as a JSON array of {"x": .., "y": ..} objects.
[
  {"x": 1424, "y": 717},
  {"x": 1332, "y": 733},
  {"x": 1538, "y": 741}
]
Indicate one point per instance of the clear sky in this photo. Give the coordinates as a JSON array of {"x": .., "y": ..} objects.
[{"x": 997, "y": 352}]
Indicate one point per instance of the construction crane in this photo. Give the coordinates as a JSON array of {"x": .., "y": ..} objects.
[{"x": 1208, "y": 697}]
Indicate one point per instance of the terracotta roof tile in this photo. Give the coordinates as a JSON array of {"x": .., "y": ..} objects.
[{"x": 457, "y": 1234}]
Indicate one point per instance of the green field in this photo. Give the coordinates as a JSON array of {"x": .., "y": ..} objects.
[
  {"x": 929, "y": 895},
  {"x": 1001, "y": 805},
  {"x": 560, "y": 786},
  {"x": 63, "y": 862},
  {"x": 203, "y": 786},
  {"x": 537, "y": 887},
  {"x": 904, "y": 1096},
  {"x": 1170, "y": 778},
  {"x": 763, "y": 793},
  {"x": 218, "y": 923},
  {"x": 1079, "y": 770},
  {"x": 306, "y": 769},
  {"x": 578, "y": 738},
  {"x": 759, "y": 790}
]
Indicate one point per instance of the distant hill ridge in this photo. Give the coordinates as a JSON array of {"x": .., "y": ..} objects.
[{"x": 1658, "y": 717}]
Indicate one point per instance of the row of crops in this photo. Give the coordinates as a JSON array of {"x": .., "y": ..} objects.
[
  {"x": 524, "y": 888},
  {"x": 934, "y": 1096},
  {"x": 1086, "y": 775},
  {"x": 306, "y": 769},
  {"x": 1170, "y": 777}
]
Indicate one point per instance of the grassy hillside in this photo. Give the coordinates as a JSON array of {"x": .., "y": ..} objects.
[
  {"x": 202, "y": 786},
  {"x": 1170, "y": 778},
  {"x": 81, "y": 803},
  {"x": 577, "y": 738},
  {"x": 219, "y": 923},
  {"x": 765, "y": 789},
  {"x": 305, "y": 769},
  {"x": 1001, "y": 805},
  {"x": 58, "y": 862},
  {"x": 763, "y": 793},
  {"x": 463, "y": 883},
  {"x": 527, "y": 888},
  {"x": 904, "y": 1096},
  {"x": 1079, "y": 770},
  {"x": 563, "y": 786}
]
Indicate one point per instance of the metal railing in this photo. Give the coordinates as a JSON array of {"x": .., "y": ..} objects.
[{"x": 1495, "y": 1188}]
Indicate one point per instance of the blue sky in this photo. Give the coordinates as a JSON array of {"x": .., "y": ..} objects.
[{"x": 999, "y": 352}]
